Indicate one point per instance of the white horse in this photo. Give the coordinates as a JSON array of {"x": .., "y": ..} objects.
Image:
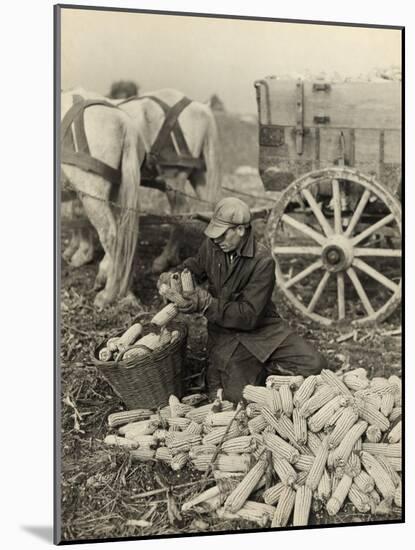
[
  {"x": 112, "y": 140},
  {"x": 199, "y": 130},
  {"x": 200, "y": 133}
]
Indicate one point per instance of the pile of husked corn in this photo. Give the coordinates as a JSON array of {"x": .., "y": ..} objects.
[{"x": 297, "y": 443}]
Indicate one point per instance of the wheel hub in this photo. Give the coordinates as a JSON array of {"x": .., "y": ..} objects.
[{"x": 337, "y": 253}]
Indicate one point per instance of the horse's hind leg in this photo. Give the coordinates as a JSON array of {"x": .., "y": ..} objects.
[{"x": 102, "y": 274}]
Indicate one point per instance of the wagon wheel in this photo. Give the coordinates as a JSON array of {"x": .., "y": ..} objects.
[{"x": 336, "y": 255}]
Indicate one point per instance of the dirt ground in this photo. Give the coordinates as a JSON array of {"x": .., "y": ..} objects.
[{"x": 100, "y": 486}]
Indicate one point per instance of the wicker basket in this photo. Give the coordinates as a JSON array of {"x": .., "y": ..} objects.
[{"x": 149, "y": 380}]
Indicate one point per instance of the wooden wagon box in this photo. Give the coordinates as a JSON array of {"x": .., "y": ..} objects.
[{"x": 308, "y": 125}]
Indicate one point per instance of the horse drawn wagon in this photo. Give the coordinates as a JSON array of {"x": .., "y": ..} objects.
[{"x": 333, "y": 151}]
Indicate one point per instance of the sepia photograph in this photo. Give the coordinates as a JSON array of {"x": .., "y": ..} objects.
[{"x": 228, "y": 203}]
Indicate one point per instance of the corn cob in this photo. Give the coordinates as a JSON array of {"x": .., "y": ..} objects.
[
  {"x": 397, "y": 498},
  {"x": 392, "y": 450},
  {"x": 334, "y": 381},
  {"x": 364, "y": 482},
  {"x": 160, "y": 435},
  {"x": 112, "y": 344},
  {"x": 193, "y": 428},
  {"x": 276, "y": 381},
  {"x": 304, "y": 463},
  {"x": 285, "y": 428},
  {"x": 324, "y": 487},
  {"x": 286, "y": 399},
  {"x": 200, "y": 413},
  {"x": 241, "y": 444},
  {"x": 142, "y": 440},
  {"x": 257, "y": 512},
  {"x": 301, "y": 479},
  {"x": 165, "y": 412},
  {"x": 202, "y": 462},
  {"x": 353, "y": 466},
  {"x": 313, "y": 442},
  {"x": 217, "y": 434},
  {"x": 201, "y": 497},
  {"x": 272, "y": 494},
  {"x": 360, "y": 372},
  {"x": 233, "y": 462},
  {"x": 300, "y": 427},
  {"x": 284, "y": 470},
  {"x": 284, "y": 507},
  {"x": 219, "y": 418},
  {"x": 164, "y": 340},
  {"x": 181, "y": 444},
  {"x": 120, "y": 441},
  {"x": 319, "y": 463},
  {"x": 259, "y": 451},
  {"x": 396, "y": 463},
  {"x": 387, "y": 403},
  {"x": 355, "y": 383},
  {"x": 324, "y": 415},
  {"x": 329, "y": 425},
  {"x": 395, "y": 381},
  {"x": 277, "y": 445},
  {"x": 165, "y": 315},
  {"x": 143, "y": 453},
  {"x": 318, "y": 400},
  {"x": 176, "y": 283},
  {"x": 382, "y": 480},
  {"x": 178, "y": 421},
  {"x": 343, "y": 425},
  {"x": 144, "y": 427},
  {"x": 226, "y": 476},
  {"x": 305, "y": 391},
  {"x": 369, "y": 398},
  {"x": 130, "y": 335},
  {"x": 342, "y": 452},
  {"x": 174, "y": 428},
  {"x": 335, "y": 480},
  {"x": 179, "y": 461},
  {"x": 373, "y": 434},
  {"x": 257, "y": 424},
  {"x": 302, "y": 505},
  {"x": 379, "y": 382},
  {"x": 358, "y": 445},
  {"x": 274, "y": 401},
  {"x": 372, "y": 416},
  {"x": 239, "y": 495},
  {"x": 187, "y": 281},
  {"x": 386, "y": 465},
  {"x": 395, "y": 414},
  {"x": 200, "y": 450},
  {"x": 125, "y": 417},
  {"x": 163, "y": 454},
  {"x": 339, "y": 495},
  {"x": 394, "y": 436},
  {"x": 105, "y": 354},
  {"x": 256, "y": 394},
  {"x": 375, "y": 497},
  {"x": 360, "y": 500},
  {"x": 174, "y": 402},
  {"x": 252, "y": 410}
]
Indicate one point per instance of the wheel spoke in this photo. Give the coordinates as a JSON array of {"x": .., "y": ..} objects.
[
  {"x": 358, "y": 212},
  {"x": 337, "y": 206},
  {"x": 318, "y": 213},
  {"x": 360, "y": 291},
  {"x": 381, "y": 252},
  {"x": 374, "y": 273},
  {"x": 319, "y": 290},
  {"x": 305, "y": 250},
  {"x": 310, "y": 269},
  {"x": 367, "y": 232},
  {"x": 303, "y": 228},
  {"x": 340, "y": 295}
]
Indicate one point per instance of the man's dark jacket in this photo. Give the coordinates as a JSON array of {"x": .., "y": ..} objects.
[{"x": 242, "y": 310}]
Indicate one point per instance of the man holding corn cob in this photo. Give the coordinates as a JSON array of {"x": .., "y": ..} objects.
[{"x": 247, "y": 340}]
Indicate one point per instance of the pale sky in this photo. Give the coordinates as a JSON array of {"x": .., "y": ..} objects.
[{"x": 201, "y": 56}]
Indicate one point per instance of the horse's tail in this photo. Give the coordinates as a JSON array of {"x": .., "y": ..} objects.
[
  {"x": 211, "y": 153},
  {"x": 127, "y": 215}
]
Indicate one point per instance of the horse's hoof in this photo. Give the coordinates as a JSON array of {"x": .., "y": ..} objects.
[
  {"x": 99, "y": 284},
  {"x": 80, "y": 258},
  {"x": 101, "y": 301}
]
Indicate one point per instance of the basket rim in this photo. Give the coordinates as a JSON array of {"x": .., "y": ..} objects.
[{"x": 154, "y": 355}]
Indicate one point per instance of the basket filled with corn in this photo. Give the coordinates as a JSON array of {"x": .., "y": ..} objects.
[{"x": 143, "y": 364}]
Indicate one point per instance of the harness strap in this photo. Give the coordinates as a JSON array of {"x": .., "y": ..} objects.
[{"x": 91, "y": 164}]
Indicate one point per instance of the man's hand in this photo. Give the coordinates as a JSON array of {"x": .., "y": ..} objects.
[
  {"x": 164, "y": 279},
  {"x": 191, "y": 302}
]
